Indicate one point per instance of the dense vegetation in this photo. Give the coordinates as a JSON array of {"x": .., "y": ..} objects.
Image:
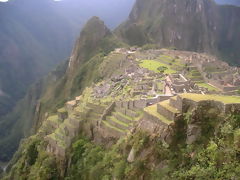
[
  {"x": 212, "y": 157},
  {"x": 38, "y": 40}
]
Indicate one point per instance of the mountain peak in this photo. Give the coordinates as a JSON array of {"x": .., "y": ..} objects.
[{"x": 91, "y": 35}]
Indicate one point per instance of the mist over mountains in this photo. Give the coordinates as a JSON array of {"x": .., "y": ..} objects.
[{"x": 36, "y": 35}]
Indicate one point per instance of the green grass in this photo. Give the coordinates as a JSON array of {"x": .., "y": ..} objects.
[
  {"x": 118, "y": 122},
  {"x": 153, "y": 111},
  {"x": 200, "y": 97},
  {"x": 125, "y": 116},
  {"x": 208, "y": 86},
  {"x": 167, "y": 106},
  {"x": 113, "y": 127},
  {"x": 153, "y": 65}
]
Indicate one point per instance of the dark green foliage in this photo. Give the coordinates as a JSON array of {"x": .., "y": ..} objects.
[
  {"x": 32, "y": 162},
  {"x": 32, "y": 153},
  {"x": 162, "y": 69},
  {"x": 119, "y": 169},
  {"x": 88, "y": 73}
]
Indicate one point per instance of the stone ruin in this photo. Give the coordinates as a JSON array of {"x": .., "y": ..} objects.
[
  {"x": 105, "y": 116},
  {"x": 180, "y": 84},
  {"x": 165, "y": 114}
]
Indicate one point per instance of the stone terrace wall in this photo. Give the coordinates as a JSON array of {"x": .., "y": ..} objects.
[
  {"x": 153, "y": 119},
  {"x": 231, "y": 88},
  {"x": 188, "y": 104},
  {"x": 140, "y": 104},
  {"x": 107, "y": 111}
]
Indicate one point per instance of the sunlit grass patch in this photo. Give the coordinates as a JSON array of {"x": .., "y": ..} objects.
[{"x": 156, "y": 66}]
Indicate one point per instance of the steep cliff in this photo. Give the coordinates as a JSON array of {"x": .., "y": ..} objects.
[
  {"x": 67, "y": 80},
  {"x": 198, "y": 25}
]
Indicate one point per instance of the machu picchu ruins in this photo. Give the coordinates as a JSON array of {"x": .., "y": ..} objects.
[{"x": 150, "y": 89}]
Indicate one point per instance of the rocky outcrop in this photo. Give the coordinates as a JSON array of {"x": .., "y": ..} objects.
[{"x": 88, "y": 43}]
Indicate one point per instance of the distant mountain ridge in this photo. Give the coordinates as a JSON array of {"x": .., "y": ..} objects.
[
  {"x": 35, "y": 36},
  {"x": 197, "y": 25}
]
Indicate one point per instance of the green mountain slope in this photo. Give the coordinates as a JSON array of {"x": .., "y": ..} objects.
[
  {"x": 53, "y": 91},
  {"x": 35, "y": 36}
]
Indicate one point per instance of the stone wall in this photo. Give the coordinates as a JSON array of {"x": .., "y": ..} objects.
[
  {"x": 107, "y": 132},
  {"x": 97, "y": 108},
  {"x": 131, "y": 113},
  {"x": 230, "y": 88},
  {"x": 188, "y": 104},
  {"x": 122, "y": 118},
  {"x": 153, "y": 119},
  {"x": 180, "y": 88},
  {"x": 140, "y": 104},
  {"x": 166, "y": 112},
  {"x": 108, "y": 111},
  {"x": 176, "y": 103}
]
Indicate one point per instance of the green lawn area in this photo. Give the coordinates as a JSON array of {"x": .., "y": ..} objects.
[
  {"x": 210, "y": 88},
  {"x": 200, "y": 97},
  {"x": 153, "y": 65},
  {"x": 169, "y": 59}
]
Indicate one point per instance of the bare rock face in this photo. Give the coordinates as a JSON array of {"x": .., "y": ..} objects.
[
  {"x": 90, "y": 38},
  {"x": 196, "y": 25},
  {"x": 193, "y": 133},
  {"x": 131, "y": 156}
]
